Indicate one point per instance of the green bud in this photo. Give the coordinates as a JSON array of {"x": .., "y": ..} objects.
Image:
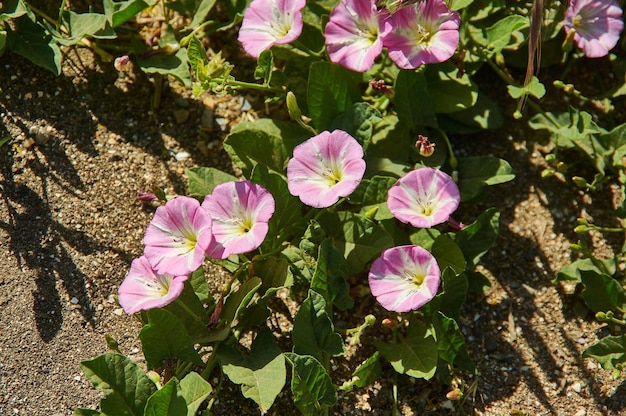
[
  {"x": 546, "y": 173},
  {"x": 370, "y": 320},
  {"x": 155, "y": 377},
  {"x": 581, "y": 229},
  {"x": 517, "y": 115},
  {"x": 550, "y": 158},
  {"x": 582, "y": 221},
  {"x": 601, "y": 316},
  {"x": 111, "y": 342},
  {"x": 371, "y": 213},
  {"x": 561, "y": 167},
  {"x": 558, "y": 84},
  {"x": 292, "y": 106},
  {"x": 580, "y": 182}
]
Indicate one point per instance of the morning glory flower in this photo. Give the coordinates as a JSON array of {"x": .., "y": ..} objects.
[
  {"x": 354, "y": 34},
  {"x": 144, "y": 289},
  {"x": 325, "y": 167},
  {"x": 270, "y": 22},
  {"x": 597, "y": 25},
  {"x": 178, "y": 236},
  {"x": 404, "y": 278},
  {"x": 425, "y": 32},
  {"x": 240, "y": 212},
  {"x": 423, "y": 197}
]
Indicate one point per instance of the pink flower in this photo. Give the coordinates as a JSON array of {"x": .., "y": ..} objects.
[
  {"x": 423, "y": 197},
  {"x": 240, "y": 212},
  {"x": 404, "y": 278},
  {"x": 426, "y": 32},
  {"x": 597, "y": 25},
  {"x": 178, "y": 236},
  {"x": 325, "y": 167},
  {"x": 354, "y": 32},
  {"x": 270, "y": 22},
  {"x": 143, "y": 288}
]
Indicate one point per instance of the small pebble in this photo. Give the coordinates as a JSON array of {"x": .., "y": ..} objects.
[{"x": 180, "y": 156}]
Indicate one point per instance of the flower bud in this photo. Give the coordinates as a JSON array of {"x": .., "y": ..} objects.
[
  {"x": 146, "y": 196},
  {"x": 601, "y": 316},
  {"x": 581, "y": 229},
  {"x": 292, "y": 106},
  {"x": 582, "y": 221},
  {"x": 370, "y": 320},
  {"x": 389, "y": 323},
  {"x": 454, "y": 395},
  {"x": 546, "y": 173},
  {"x": 569, "y": 41},
  {"x": 426, "y": 147},
  {"x": 580, "y": 182},
  {"x": 121, "y": 63}
]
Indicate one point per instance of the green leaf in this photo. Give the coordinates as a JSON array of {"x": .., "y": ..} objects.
[
  {"x": 413, "y": 112},
  {"x": 313, "y": 330},
  {"x": 450, "y": 342},
  {"x": 191, "y": 312},
  {"x": 452, "y": 297},
  {"x": 118, "y": 12},
  {"x": 610, "y": 352},
  {"x": 270, "y": 142},
  {"x": 203, "y": 180},
  {"x": 330, "y": 277},
  {"x": 174, "y": 64},
  {"x": 274, "y": 272},
  {"x": 234, "y": 304},
  {"x": 165, "y": 337},
  {"x": 424, "y": 237},
  {"x": 200, "y": 13},
  {"x": 602, "y": 293},
  {"x": 358, "y": 121},
  {"x": 82, "y": 25},
  {"x": 330, "y": 92},
  {"x": 414, "y": 355},
  {"x": 312, "y": 388},
  {"x": 125, "y": 386},
  {"x": 534, "y": 88},
  {"x": 448, "y": 92},
  {"x": 475, "y": 239},
  {"x": 198, "y": 282},
  {"x": 359, "y": 239},
  {"x": 31, "y": 40},
  {"x": 485, "y": 114},
  {"x": 288, "y": 217},
  {"x": 262, "y": 374},
  {"x": 167, "y": 401},
  {"x": 448, "y": 254},
  {"x": 478, "y": 171},
  {"x": 195, "y": 390},
  {"x": 572, "y": 127},
  {"x": 372, "y": 191},
  {"x": 571, "y": 272},
  {"x": 12, "y": 9},
  {"x": 265, "y": 65},
  {"x": 369, "y": 371},
  {"x": 499, "y": 35}
]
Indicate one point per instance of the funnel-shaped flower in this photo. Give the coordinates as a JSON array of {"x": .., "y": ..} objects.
[
  {"x": 354, "y": 34},
  {"x": 423, "y": 197},
  {"x": 178, "y": 236},
  {"x": 425, "y": 32},
  {"x": 240, "y": 212},
  {"x": 597, "y": 23},
  {"x": 404, "y": 278},
  {"x": 143, "y": 288},
  {"x": 270, "y": 22},
  {"x": 325, "y": 167}
]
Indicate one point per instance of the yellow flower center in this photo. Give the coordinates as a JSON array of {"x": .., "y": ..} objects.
[{"x": 418, "y": 279}]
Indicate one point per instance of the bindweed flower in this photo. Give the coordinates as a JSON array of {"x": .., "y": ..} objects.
[
  {"x": 270, "y": 22},
  {"x": 178, "y": 236},
  {"x": 425, "y": 147},
  {"x": 354, "y": 34},
  {"x": 597, "y": 25},
  {"x": 404, "y": 278},
  {"x": 325, "y": 167},
  {"x": 426, "y": 32},
  {"x": 423, "y": 197},
  {"x": 144, "y": 289},
  {"x": 240, "y": 212}
]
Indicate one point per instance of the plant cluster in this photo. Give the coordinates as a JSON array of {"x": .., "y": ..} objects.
[{"x": 353, "y": 197}]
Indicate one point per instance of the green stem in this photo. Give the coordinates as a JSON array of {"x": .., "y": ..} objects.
[
  {"x": 453, "y": 161},
  {"x": 191, "y": 313},
  {"x": 185, "y": 40},
  {"x": 249, "y": 85},
  {"x": 298, "y": 44}
]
